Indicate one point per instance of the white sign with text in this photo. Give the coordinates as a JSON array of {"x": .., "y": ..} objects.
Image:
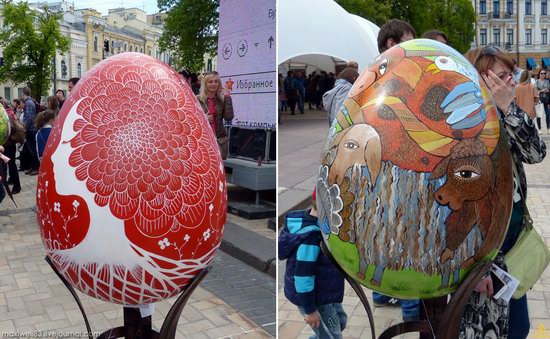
[{"x": 246, "y": 60}]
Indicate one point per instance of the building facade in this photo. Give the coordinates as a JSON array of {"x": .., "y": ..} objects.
[
  {"x": 95, "y": 37},
  {"x": 520, "y": 27}
]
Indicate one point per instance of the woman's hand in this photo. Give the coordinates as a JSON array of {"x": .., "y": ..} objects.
[
  {"x": 502, "y": 91},
  {"x": 485, "y": 286},
  {"x": 210, "y": 117}
]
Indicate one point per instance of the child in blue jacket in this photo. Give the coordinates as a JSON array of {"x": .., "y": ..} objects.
[{"x": 312, "y": 282}]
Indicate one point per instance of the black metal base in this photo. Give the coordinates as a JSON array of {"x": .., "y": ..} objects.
[
  {"x": 271, "y": 224},
  {"x": 135, "y": 326},
  {"x": 447, "y": 316},
  {"x": 251, "y": 210}
]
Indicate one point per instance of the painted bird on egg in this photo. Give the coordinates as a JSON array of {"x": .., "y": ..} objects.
[
  {"x": 131, "y": 192},
  {"x": 415, "y": 183}
]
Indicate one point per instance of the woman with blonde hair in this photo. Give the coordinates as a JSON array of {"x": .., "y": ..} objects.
[
  {"x": 526, "y": 94},
  {"x": 218, "y": 107}
]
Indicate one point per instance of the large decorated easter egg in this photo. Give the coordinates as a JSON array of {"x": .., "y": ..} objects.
[
  {"x": 4, "y": 126},
  {"x": 415, "y": 185},
  {"x": 131, "y": 192}
]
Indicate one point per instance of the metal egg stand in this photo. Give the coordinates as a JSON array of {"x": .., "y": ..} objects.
[
  {"x": 136, "y": 326},
  {"x": 438, "y": 318}
]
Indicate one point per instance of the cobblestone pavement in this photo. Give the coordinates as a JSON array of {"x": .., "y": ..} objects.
[
  {"x": 34, "y": 301},
  {"x": 291, "y": 323}
]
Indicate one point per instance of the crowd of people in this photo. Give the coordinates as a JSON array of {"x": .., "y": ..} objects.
[
  {"x": 31, "y": 123},
  {"x": 317, "y": 295}
]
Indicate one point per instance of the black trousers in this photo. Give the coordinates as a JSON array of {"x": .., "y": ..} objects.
[
  {"x": 9, "y": 151},
  {"x": 292, "y": 97},
  {"x": 30, "y": 146}
]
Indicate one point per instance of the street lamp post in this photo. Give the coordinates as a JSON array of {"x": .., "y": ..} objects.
[
  {"x": 55, "y": 72},
  {"x": 517, "y": 34}
]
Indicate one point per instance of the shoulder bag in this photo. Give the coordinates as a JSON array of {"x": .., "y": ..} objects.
[{"x": 529, "y": 256}]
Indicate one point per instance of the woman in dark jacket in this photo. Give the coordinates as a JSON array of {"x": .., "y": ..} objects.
[
  {"x": 496, "y": 69},
  {"x": 218, "y": 107}
]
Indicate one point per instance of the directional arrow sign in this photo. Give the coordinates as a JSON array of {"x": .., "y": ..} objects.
[{"x": 270, "y": 40}]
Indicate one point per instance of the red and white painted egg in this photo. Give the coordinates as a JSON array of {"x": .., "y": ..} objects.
[{"x": 131, "y": 192}]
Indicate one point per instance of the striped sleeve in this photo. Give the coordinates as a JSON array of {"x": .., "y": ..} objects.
[{"x": 304, "y": 276}]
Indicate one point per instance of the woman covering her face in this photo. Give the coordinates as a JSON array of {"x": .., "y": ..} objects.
[
  {"x": 496, "y": 69},
  {"x": 217, "y": 107}
]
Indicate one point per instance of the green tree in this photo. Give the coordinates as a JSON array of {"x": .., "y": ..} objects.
[
  {"x": 455, "y": 18},
  {"x": 375, "y": 11},
  {"x": 190, "y": 30},
  {"x": 29, "y": 39}
]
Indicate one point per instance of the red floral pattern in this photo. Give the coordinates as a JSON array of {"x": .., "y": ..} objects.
[
  {"x": 137, "y": 148},
  {"x": 142, "y": 146}
]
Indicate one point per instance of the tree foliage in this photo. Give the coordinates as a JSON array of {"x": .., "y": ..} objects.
[
  {"x": 455, "y": 18},
  {"x": 190, "y": 30},
  {"x": 29, "y": 39},
  {"x": 375, "y": 11}
]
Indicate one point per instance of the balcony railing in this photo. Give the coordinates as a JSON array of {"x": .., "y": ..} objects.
[
  {"x": 501, "y": 15},
  {"x": 508, "y": 46}
]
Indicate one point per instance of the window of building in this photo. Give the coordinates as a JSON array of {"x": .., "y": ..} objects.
[
  {"x": 95, "y": 43},
  {"x": 483, "y": 36},
  {"x": 63, "y": 69},
  {"x": 125, "y": 47},
  {"x": 528, "y": 37},
  {"x": 544, "y": 36},
  {"x": 20, "y": 92},
  {"x": 509, "y": 6},
  {"x": 209, "y": 65},
  {"x": 113, "y": 46},
  {"x": 131, "y": 48},
  {"x": 496, "y": 36},
  {"x": 141, "y": 50},
  {"x": 7, "y": 93},
  {"x": 527, "y": 7},
  {"x": 510, "y": 37},
  {"x": 496, "y": 8},
  {"x": 544, "y": 7},
  {"x": 79, "y": 70},
  {"x": 482, "y": 7}
]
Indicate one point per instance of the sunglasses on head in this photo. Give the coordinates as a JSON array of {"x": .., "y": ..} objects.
[{"x": 491, "y": 50}]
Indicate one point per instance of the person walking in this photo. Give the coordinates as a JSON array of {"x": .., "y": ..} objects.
[
  {"x": 543, "y": 85},
  {"x": 10, "y": 149},
  {"x": 526, "y": 94},
  {"x": 29, "y": 114},
  {"x": 291, "y": 91}
]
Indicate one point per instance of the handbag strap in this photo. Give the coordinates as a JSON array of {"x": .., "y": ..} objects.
[{"x": 528, "y": 221}]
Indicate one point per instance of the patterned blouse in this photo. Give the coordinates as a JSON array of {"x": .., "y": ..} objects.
[{"x": 525, "y": 142}]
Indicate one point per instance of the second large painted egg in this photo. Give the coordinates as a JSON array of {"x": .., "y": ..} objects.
[
  {"x": 4, "y": 126},
  {"x": 131, "y": 192},
  {"x": 415, "y": 185}
]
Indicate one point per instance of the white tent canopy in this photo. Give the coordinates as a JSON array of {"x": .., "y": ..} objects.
[
  {"x": 323, "y": 28},
  {"x": 311, "y": 63}
]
